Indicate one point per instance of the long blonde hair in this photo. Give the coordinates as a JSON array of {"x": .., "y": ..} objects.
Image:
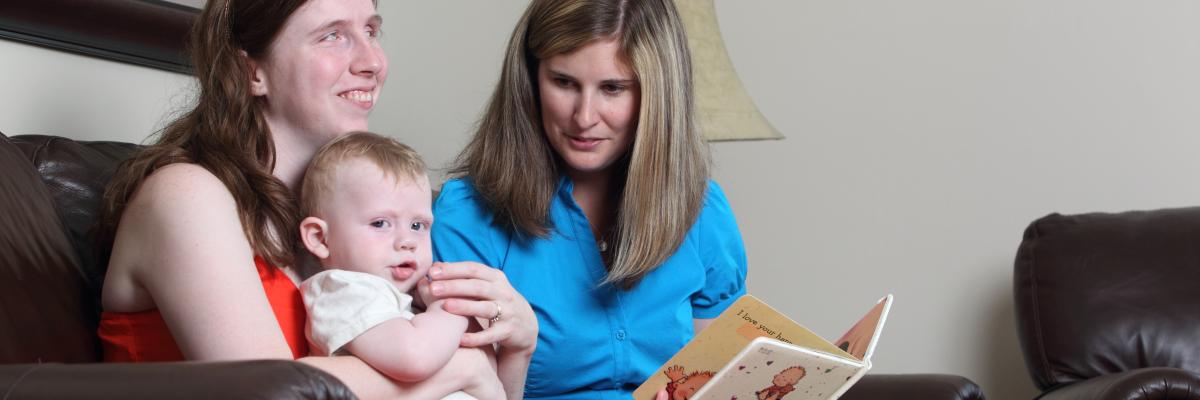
[{"x": 513, "y": 167}]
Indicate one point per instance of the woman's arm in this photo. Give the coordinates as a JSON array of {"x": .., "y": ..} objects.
[
  {"x": 468, "y": 370},
  {"x": 512, "y": 368},
  {"x": 180, "y": 248},
  {"x": 475, "y": 290}
]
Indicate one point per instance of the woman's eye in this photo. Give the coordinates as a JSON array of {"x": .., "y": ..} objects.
[
  {"x": 379, "y": 224},
  {"x": 331, "y": 36},
  {"x": 374, "y": 33},
  {"x": 562, "y": 82},
  {"x": 612, "y": 89}
]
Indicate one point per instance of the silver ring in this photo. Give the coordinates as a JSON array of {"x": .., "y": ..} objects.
[{"x": 498, "y": 312}]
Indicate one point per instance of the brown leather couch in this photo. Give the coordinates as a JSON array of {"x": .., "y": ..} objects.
[
  {"x": 50, "y": 280},
  {"x": 1108, "y": 305}
]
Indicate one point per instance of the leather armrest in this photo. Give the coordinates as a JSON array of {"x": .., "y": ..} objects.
[
  {"x": 1138, "y": 384},
  {"x": 914, "y": 386},
  {"x": 261, "y": 379}
]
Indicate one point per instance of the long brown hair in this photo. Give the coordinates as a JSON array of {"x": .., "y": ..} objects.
[
  {"x": 226, "y": 133},
  {"x": 513, "y": 167}
]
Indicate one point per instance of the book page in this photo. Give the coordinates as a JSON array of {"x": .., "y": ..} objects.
[
  {"x": 859, "y": 339},
  {"x": 770, "y": 370},
  {"x": 746, "y": 319}
]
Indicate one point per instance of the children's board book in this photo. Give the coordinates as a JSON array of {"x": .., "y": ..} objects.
[{"x": 752, "y": 352}]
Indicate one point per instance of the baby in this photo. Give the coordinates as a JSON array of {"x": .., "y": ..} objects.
[{"x": 369, "y": 206}]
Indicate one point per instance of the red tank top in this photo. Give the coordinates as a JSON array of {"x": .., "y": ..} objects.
[{"x": 143, "y": 336}]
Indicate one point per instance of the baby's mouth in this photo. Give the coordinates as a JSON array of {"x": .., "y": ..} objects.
[{"x": 403, "y": 270}]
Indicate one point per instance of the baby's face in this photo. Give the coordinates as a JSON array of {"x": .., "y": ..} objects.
[{"x": 378, "y": 224}]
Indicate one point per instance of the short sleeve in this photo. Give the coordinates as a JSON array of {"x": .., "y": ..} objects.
[
  {"x": 343, "y": 304},
  {"x": 463, "y": 228},
  {"x": 723, "y": 254}
]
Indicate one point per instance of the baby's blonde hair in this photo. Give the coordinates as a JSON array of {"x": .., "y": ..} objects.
[{"x": 395, "y": 159}]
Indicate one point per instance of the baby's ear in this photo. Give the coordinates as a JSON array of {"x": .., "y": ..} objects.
[{"x": 312, "y": 233}]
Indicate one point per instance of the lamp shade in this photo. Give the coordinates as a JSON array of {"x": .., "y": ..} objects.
[{"x": 723, "y": 108}]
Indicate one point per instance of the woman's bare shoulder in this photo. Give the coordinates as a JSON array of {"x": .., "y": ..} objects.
[
  {"x": 180, "y": 184},
  {"x": 179, "y": 204},
  {"x": 180, "y": 226},
  {"x": 181, "y": 248}
]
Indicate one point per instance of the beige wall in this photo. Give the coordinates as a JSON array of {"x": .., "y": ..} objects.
[
  {"x": 922, "y": 137},
  {"x": 56, "y": 93}
]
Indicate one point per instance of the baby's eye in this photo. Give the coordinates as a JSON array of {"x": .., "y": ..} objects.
[
  {"x": 379, "y": 223},
  {"x": 416, "y": 226}
]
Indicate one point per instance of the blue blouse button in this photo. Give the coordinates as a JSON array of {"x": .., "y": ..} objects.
[{"x": 621, "y": 334}]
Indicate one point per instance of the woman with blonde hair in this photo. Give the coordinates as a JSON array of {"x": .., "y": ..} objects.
[
  {"x": 586, "y": 189},
  {"x": 203, "y": 223}
]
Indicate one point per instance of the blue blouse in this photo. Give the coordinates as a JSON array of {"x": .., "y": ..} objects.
[{"x": 597, "y": 342}]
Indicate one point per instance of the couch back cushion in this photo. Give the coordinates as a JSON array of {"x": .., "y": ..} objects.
[
  {"x": 44, "y": 307},
  {"x": 76, "y": 173},
  {"x": 1104, "y": 293}
]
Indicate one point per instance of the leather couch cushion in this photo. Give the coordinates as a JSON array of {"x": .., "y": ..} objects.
[
  {"x": 42, "y": 286},
  {"x": 259, "y": 379},
  {"x": 76, "y": 173},
  {"x": 1104, "y": 293}
]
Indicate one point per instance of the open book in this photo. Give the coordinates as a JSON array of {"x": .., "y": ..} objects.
[{"x": 753, "y": 352}]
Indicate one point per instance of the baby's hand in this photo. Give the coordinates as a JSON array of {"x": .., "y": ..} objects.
[{"x": 424, "y": 295}]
